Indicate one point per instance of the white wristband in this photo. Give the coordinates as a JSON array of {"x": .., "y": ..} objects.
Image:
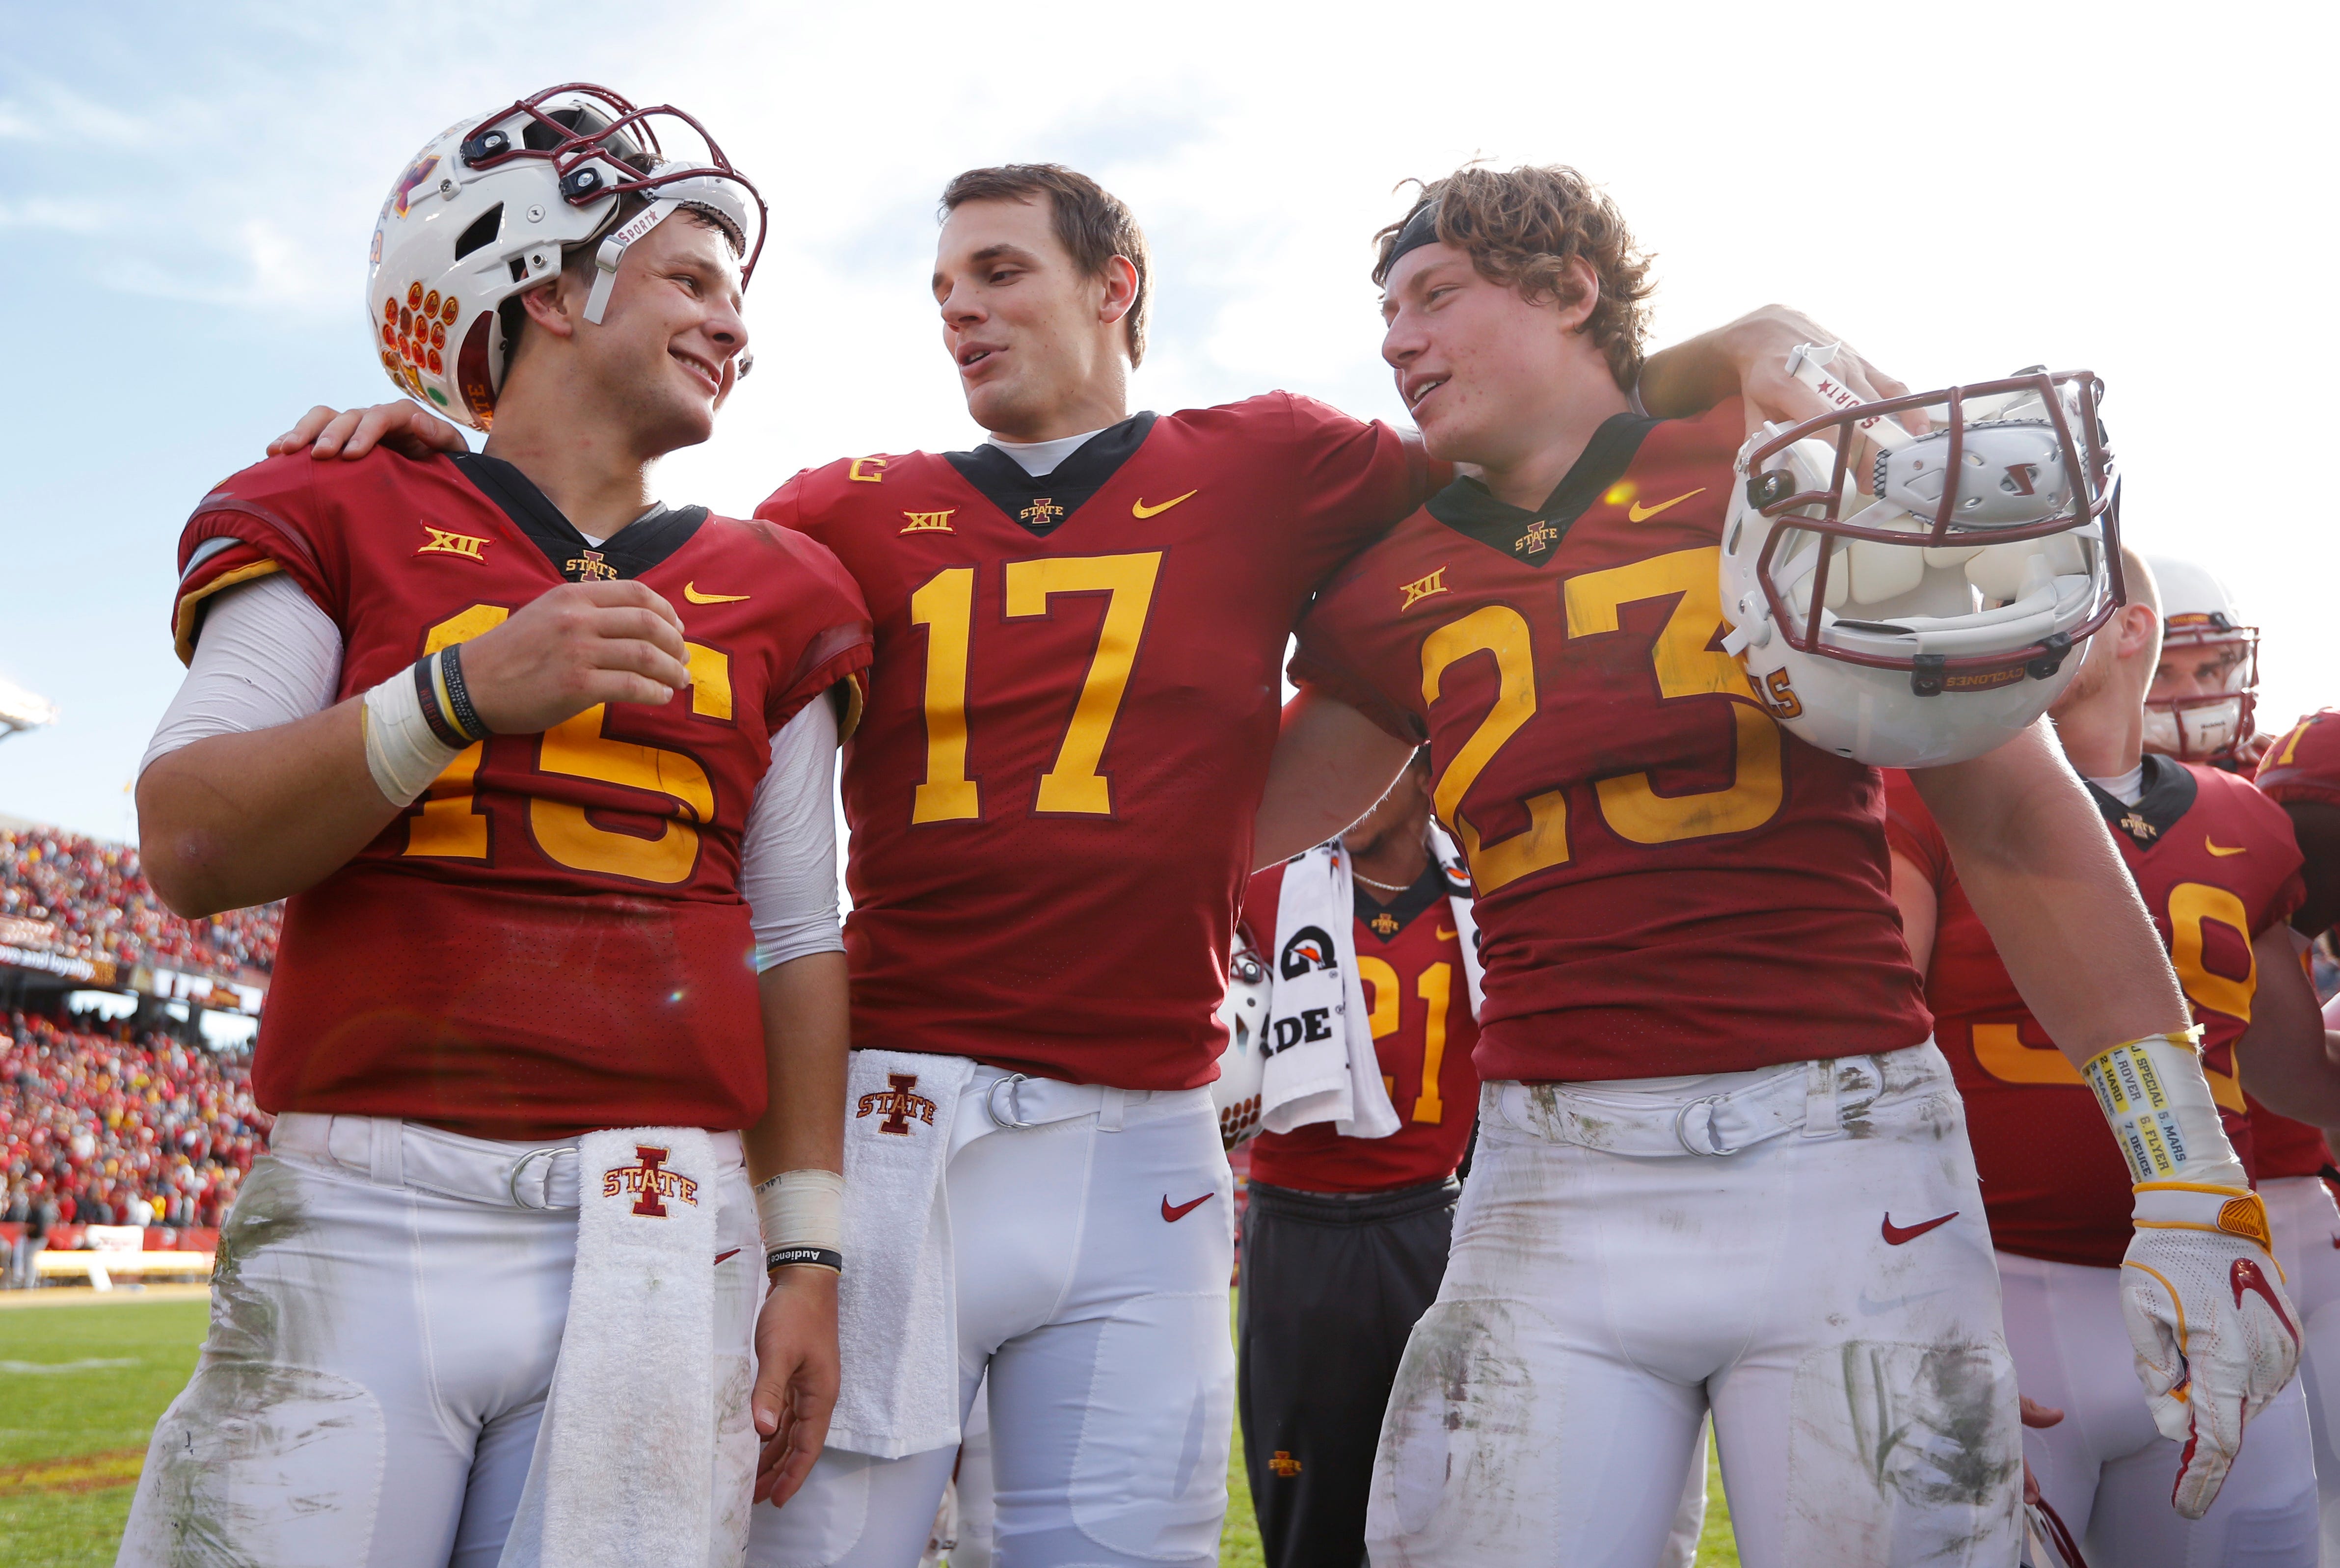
[
  {"x": 801, "y": 1208},
  {"x": 401, "y": 753},
  {"x": 2153, "y": 1094}
]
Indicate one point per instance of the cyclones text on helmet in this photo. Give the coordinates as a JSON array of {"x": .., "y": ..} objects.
[{"x": 493, "y": 207}]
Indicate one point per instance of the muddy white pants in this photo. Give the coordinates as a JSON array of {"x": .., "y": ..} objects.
[
  {"x": 1609, "y": 1287},
  {"x": 386, "y": 1312}
]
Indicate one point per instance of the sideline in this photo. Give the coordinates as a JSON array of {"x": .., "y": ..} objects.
[{"x": 121, "y": 1294}]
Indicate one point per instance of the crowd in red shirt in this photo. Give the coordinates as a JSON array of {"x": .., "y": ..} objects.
[
  {"x": 97, "y": 905},
  {"x": 94, "y": 1125}
]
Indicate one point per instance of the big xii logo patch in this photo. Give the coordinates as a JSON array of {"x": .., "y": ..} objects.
[
  {"x": 897, "y": 1105},
  {"x": 651, "y": 1180}
]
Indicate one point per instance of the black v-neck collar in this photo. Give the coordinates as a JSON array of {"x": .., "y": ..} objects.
[
  {"x": 1040, "y": 506},
  {"x": 627, "y": 553},
  {"x": 2169, "y": 793},
  {"x": 1386, "y": 920},
  {"x": 1468, "y": 506}
]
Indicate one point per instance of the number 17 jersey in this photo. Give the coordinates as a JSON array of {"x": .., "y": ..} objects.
[
  {"x": 1051, "y": 792},
  {"x": 1668, "y": 883}
]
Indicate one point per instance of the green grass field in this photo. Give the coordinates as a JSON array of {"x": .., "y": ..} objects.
[{"x": 81, "y": 1386}]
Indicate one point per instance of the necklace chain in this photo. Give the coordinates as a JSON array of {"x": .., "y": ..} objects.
[{"x": 1384, "y": 886}]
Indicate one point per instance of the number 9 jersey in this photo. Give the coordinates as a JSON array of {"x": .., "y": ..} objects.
[
  {"x": 553, "y": 938},
  {"x": 1668, "y": 883}
]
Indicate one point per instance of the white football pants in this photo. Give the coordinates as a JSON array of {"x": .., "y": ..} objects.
[
  {"x": 1103, "y": 1322},
  {"x": 386, "y": 1315},
  {"x": 2106, "y": 1469},
  {"x": 2307, "y": 1230},
  {"x": 1609, "y": 1286}
]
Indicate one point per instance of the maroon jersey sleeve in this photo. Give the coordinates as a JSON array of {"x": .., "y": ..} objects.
[
  {"x": 2303, "y": 764},
  {"x": 1910, "y": 831},
  {"x": 258, "y": 523},
  {"x": 1261, "y": 895}
]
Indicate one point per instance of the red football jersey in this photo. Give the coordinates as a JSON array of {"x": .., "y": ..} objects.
[
  {"x": 1051, "y": 794},
  {"x": 1410, "y": 957},
  {"x": 2305, "y": 762},
  {"x": 1668, "y": 883},
  {"x": 2281, "y": 1146},
  {"x": 2215, "y": 863},
  {"x": 553, "y": 938}
]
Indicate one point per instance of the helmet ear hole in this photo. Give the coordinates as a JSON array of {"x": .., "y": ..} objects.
[{"x": 481, "y": 232}]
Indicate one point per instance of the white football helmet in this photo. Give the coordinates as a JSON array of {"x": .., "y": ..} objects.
[
  {"x": 2189, "y": 719},
  {"x": 1242, "y": 1067},
  {"x": 1885, "y": 614},
  {"x": 487, "y": 209}
]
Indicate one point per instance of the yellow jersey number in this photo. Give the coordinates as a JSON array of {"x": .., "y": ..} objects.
[
  {"x": 1435, "y": 986},
  {"x": 452, "y": 823},
  {"x": 1686, "y": 666},
  {"x": 2192, "y": 907},
  {"x": 945, "y": 606}
]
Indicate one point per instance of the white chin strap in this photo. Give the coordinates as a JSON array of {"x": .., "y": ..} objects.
[{"x": 613, "y": 250}]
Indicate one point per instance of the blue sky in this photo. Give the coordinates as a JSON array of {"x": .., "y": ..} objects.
[{"x": 186, "y": 196}]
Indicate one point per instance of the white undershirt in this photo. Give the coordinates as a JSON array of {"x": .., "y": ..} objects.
[
  {"x": 1040, "y": 458},
  {"x": 269, "y": 656},
  {"x": 2129, "y": 788}
]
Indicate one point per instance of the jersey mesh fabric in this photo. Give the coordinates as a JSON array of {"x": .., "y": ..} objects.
[
  {"x": 1696, "y": 892},
  {"x": 2281, "y": 1146},
  {"x": 1410, "y": 957},
  {"x": 1051, "y": 794},
  {"x": 553, "y": 938},
  {"x": 2053, "y": 1179}
]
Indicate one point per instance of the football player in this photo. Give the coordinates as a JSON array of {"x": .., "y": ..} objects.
[
  {"x": 2204, "y": 704},
  {"x": 1079, "y": 624},
  {"x": 544, "y": 767},
  {"x": 2301, "y": 770},
  {"x": 1344, "y": 1238},
  {"x": 2215, "y": 863},
  {"x": 1720, "y": 1165}
]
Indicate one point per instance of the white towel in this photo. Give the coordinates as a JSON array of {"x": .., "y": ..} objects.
[
  {"x": 1458, "y": 900},
  {"x": 1319, "y": 1039},
  {"x": 896, "y": 1315},
  {"x": 624, "y": 1468}
]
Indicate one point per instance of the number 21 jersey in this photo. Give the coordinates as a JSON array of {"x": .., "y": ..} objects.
[
  {"x": 1668, "y": 883},
  {"x": 1051, "y": 794}
]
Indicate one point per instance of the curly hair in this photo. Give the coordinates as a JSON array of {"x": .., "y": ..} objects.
[{"x": 1520, "y": 226}]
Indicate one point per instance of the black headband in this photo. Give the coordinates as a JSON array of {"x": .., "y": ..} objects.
[{"x": 1420, "y": 230}]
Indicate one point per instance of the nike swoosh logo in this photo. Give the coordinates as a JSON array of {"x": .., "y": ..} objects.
[
  {"x": 1901, "y": 1235},
  {"x": 721, "y": 1255},
  {"x": 691, "y": 591},
  {"x": 1642, "y": 514},
  {"x": 1174, "y": 1215},
  {"x": 1446, "y": 935},
  {"x": 1140, "y": 509},
  {"x": 2216, "y": 850},
  {"x": 1646, "y": 513}
]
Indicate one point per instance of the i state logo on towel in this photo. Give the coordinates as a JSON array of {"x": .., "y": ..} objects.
[
  {"x": 648, "y": 1178},
  {"x": 897, "y": 1105}
]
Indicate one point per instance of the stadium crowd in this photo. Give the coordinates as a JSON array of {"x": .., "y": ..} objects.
[
  {"x": 102, "y": 1128},
  {"x": 96, "y": 901}
]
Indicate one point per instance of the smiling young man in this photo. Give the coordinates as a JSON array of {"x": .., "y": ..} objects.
[
  {"x": 540, "y": 829},
  {"x": 1708, "y": 1071},
  {"x": 1079, "y": 624}
]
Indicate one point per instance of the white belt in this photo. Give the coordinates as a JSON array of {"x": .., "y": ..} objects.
[
  {"x": 1015, "y": 1101},
  {"x": 391, "y": 1152},
  {"x": 1815, "y": 1098}
]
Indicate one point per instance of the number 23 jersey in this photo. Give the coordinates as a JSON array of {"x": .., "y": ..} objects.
[
  {"x": 1668, "y": 884},
  {"x": 1051, "y": 794}
]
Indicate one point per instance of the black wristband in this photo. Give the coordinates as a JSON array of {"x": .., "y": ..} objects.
[
  {"x": 426, "y": 689},
  {"x": 459, "y": 698},
  {"x": 819, "y": 1257}
]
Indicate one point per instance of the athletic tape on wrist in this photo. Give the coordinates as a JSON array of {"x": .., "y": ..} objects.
[
  {"x": 403, "y": 752},
  {"x": 802, "y": 1214},
  {"x": 2153, "y": 1094}
]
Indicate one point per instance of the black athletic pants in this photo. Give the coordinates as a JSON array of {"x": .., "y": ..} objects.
[{"x": 1332, "y": 1286}]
